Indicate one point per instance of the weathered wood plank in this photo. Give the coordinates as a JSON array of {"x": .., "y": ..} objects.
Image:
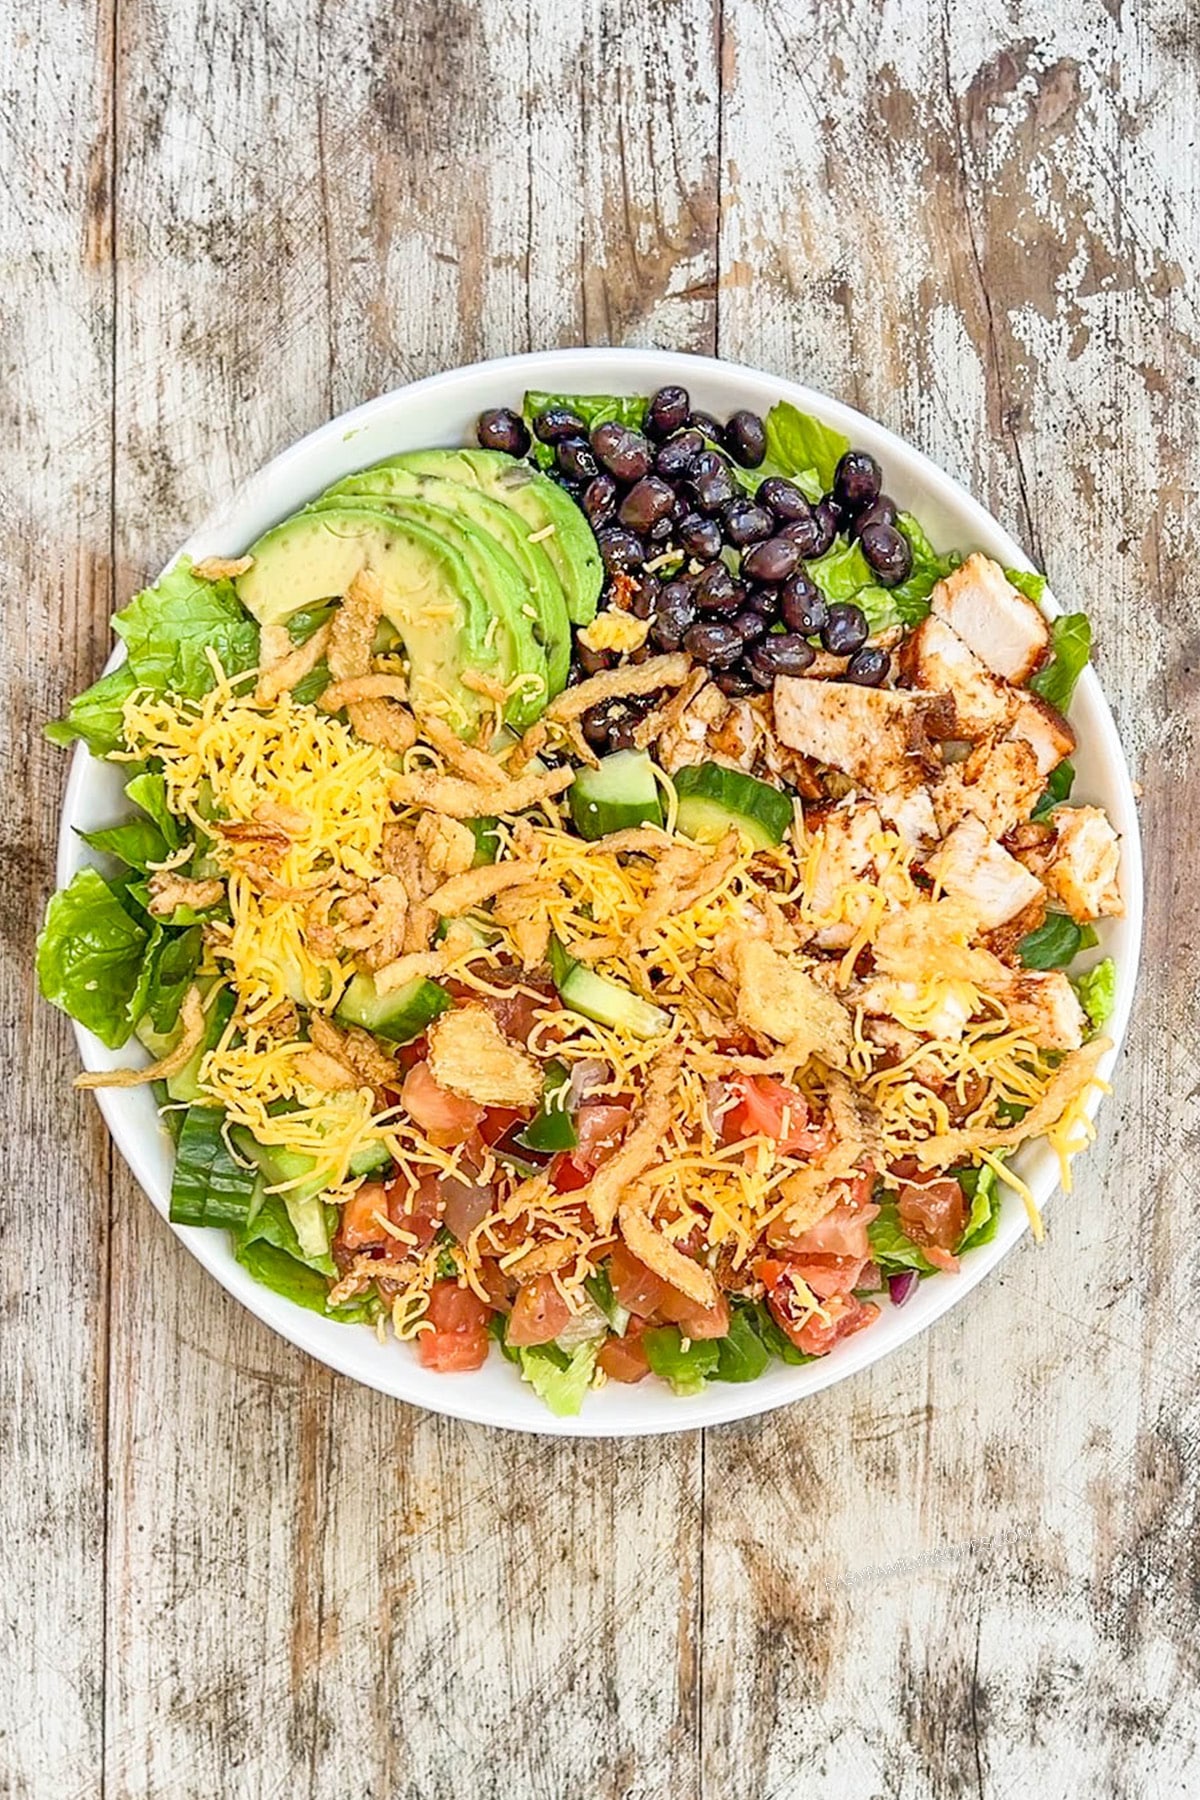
[
  {"x": 56, "y": 327},
  {"x": 966, "y": 1573}
]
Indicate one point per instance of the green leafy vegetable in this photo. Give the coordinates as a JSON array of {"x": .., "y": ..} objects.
[
  {"x": 891, "y": 1246},
  {"x": 741, "y": 1355},
  {"x": 560, "y": 1379},
  {"x": 599, "y": 1290},
  {"x": 1071, "y": 646},
  {"x": 90, "y": 958},
  {"x": 593, "y": 409},
  {"x": 272, "y": 1224},
  {"x": 982, "y": 1190},
  {"x": 908, "y": 602},
  {"x": 97, "y": 715},
  {"x": 170, "y": 977},
  {"x": 796, "y": 444},
  {"x": 170, "y": 628},
  {"x": 842, "y": 573},
  {"x": 1097, "y": 990},
  {"x": 137, "y": 843},
  {"x": 149, "y": 791},
  {"x": 1056, "y": 943},
  {"x": 1059, "y": 783},
  {"x": 773, "y": 1336},
  {"x": 276, "y": 1270},
  {"x": 1027, "y": 582},
  {"x": 686, "y": 1370}
]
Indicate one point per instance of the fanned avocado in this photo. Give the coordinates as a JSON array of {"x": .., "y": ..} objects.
[
  {"x": 498, "y": 579},
  {"x": 431, "y": 595},
  {"x": 570, "y": 546},
  {"x": 393, "y": 487}
]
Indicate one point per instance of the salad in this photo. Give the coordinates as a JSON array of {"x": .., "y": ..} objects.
[{"x": 606, "y": 896}]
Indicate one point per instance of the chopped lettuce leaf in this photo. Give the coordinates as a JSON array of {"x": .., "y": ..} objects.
[
  {"x": 1055, "y": 943},
  {"x": 97, "y": 716},
  {"x": 798, "y": 444},
  {"x": 686, "y": 1370},
  {"x": 170, "y": 628},
  {"x": 170, "y": 976},
  {"x": 1097, "y": 990},
  {"x": 842, "y": 573},
  {"x": 149, "y": 791},
  {"x": 908, "y": 602},
  {"x": 1027, "y": 582},
  {"x": 774, "y": 1337},
  {"x": 91, "y": 957},
  {"x": 560, "y": 1378},
  {"x": 275, "y": 1269},
  {"x": 593, "y": 409},
  {"x": 1071, "y": 646},
  {"x": 891, "y": 1246},
  {"x": 741, "y": 1355},
  {"x": 272, "y": 1224},
  {"x": 1059, "y": 783},
  {"x": 137, "y": 843},
  {"x": 599, "y": 1290},
  {"x": 982, "y": 1190}
]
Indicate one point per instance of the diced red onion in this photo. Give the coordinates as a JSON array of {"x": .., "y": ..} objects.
[
  {"x": 586, "y": 1076},
  {"x": 467, "y": 1204},
  {"x": 901, "y": 1286}
]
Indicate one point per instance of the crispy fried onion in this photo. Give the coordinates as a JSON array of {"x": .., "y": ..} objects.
[
  {"x": 376, "y": 721},
  {"x": 473, "y": 764},
  {"x": 375, "y": 920},
  {"x": 648, "y": 730},
  {"x": 221, "y": 568},
  {"x": 169, "y": 890},
  {"x": 474, "y": 886},
  {"x": 683, "y": 877},
  {"x": 777, "y": 999},
  {"x": 265, "y": 838},
  {"x": 470, "y": 1055},
  {"x": 191, "y": 1015},
  {"x": 615, "y": 684},
  {"x": 355, "y": 1048},
  {"x": 280, "y": 669},
  {"x": 417, "y": 964},
  {"x": 460, "y": 799},
  {"x": 603, "y": 1192},
  {"x": 356, "y": 688},
  {"x": 1076, "y": 1072},
  {"x": 659, "y": 1254}
]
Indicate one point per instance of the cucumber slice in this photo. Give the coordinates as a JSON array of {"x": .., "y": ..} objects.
[
  {"x": 208, "y": 1187},
  {"x": 399, "y": 1016},
  {"x": 596, "y": 997},
  {"x": 480, "y": 934},
  {"x": 712, "y": 799},
  {"x": 552, "y": 1127},
  {"x": 185, "y": 1083},
  {"x": 487, "y": 839},
  {"x": 305, "y": 1208},
  {"x": 620, "y": 793}
]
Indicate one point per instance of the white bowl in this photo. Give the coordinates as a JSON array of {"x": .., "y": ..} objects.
[{"x": 442, "y": 410}]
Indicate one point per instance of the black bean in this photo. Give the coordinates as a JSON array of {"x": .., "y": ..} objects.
[
  {"x": 700, "y": 537},
  {"x": 661, "y": 532},
  {"x": 683, "y": 506},
  {"x": 708, "y": 427},
  {"x": 735, "y": 682},
  {"x": 712, "y": 481},
  {"x": 592, "y": 662},
  {"x": 502, "y": 429},
  {"x": 802, "y": 604},
  {"x": 882, "y": 511},
  {"x": 783, "y": 498},
  {"x": 743, "y": 522},
  {"x": 576, "y": 458},
  {"x": 888, "y": 552},
  {"x": 781, "y": 653},
  {"x": 675, "y": 458},
  {"x": 765, "y": 601},
  {"x": 600, "y": 499},
  {"x": 746, "y": 437},
  {"x": 716, "y": 645},
  {"x": 556, "y": 423},
  {"x": 645, "y": 598},
  {"x": 827, "y": 528},
  {"x": 868, "y": 666},
  {"x": 620, "y": 549},
  {"x": 668, "y": 411},
  {"x": 647, "y": 501},
  {"x": 751, "y": 624},
  {"x": 771, "y": 561},
  {"x": 620, "y": 735},
  {"x": 757, "y": 667},
  {"x": 807, "y": 535},
  {"x": 845, "y": 629},
  {"x": 624, "y": 453},
  {"x": 717, "y": 591},
  {"x": 856, "y": 481},
  {"x": 594, "y": 725},
  {"x": 674, "y": 611}
]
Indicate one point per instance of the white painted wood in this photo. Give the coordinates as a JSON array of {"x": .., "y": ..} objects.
[{"x": 973, "y": 1569}]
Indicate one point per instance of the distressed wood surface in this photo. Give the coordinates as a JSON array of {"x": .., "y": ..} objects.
[{"x": 971, "y": 1571}]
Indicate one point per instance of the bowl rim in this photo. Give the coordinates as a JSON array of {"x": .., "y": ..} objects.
[{"x": 602, "y": 369}]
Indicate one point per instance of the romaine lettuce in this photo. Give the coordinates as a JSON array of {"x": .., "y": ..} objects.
[
  {"x": 92, "y": 958},
  {"x": 559, "y": 1377},
  {"x": 1071, "y": 646},
  {"x": 1097, "y": 990}
]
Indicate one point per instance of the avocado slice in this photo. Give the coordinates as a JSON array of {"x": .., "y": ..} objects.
[
  {"x": 392, "y": 487},
  {"x": 432, "y": 596},
  {"x": 571, "y": 546},
  {"x": 516, "y": 631}
]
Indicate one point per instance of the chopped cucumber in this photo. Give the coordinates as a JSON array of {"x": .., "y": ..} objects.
[
  {"x": 305, "y": 1207},
  {"x": 487, "y": 839},
  {"x": 714, "y": 800},
  {"x": 208, "y": 1187},
  {"x": 552, "y": 1127},
  {"x": 620, "y": 793},
  {"x": 399, "y": 1016},
  {"x": 596, "y": 997},
  {"x": 480, "y": 933},
  {"x": 185, "y": 1083}
]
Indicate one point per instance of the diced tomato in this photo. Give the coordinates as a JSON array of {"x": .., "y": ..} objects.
[
  {"x": 599, "y": 1126},
  {"x": 842, "y": 1232},
  {"x": 459, "y": 1337},
  {"x": 539, "y": 1312},
  {"x": 694, "y": 1320},
  {"x": 418, "y": 1213},
  {"x": 501, "y": 1287},
  {"x": 933, "y": 1213},
  {"x": 566, "y": 1176},
  {"x": 769, "y": 1108},
  {"x": 359, "y": 1227},
  {"x": 829, "y": 1275},
  {"x": 497, "y": 1120},
  {"x": 443, "y": 1117},
  {"x": 635, "y": 1287},
  {"x": 624, "y": 1358},
  {"x": 806, "y": 1329}
]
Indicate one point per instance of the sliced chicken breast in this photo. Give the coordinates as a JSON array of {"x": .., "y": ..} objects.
[
  {"x": 1004, "y": 629},
  {"x": 1000, "y": 783},
  {"x": 975, "y": 869},
  {"x": 1083, "y": 865},
  {"x": 1044, "y": 1005},
  {"x": 936, "y": 659},
  {"x": 876, "y": 736},
  {"x": 1038, "y": 724},
  {"x": 844, "y": 836}
]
